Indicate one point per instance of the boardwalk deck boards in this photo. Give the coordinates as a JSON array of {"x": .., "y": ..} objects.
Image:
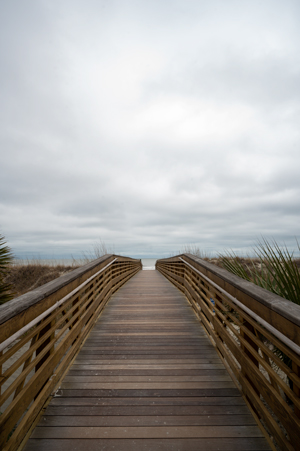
[{"x": 146, "y": 379}]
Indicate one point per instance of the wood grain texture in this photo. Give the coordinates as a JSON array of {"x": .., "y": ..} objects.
[
  {"x": 147, "y": 378},
  {"x": 60, "y": 335},
  {"x": 187, "y": 444}
]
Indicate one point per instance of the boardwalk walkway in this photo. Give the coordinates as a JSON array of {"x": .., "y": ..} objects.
[{"x": 147, "y": 379}]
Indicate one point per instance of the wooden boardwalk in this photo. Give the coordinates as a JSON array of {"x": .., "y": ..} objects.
[{"x": 147, "y": 379}]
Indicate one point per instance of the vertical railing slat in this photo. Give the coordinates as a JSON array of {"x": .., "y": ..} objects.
[
  {"x": 55, "y": 339},
  {"x": 241, "y": 341}
]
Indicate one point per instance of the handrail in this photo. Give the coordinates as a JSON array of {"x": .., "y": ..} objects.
[
  {"x": 24, "y": 329},
  {"x": 41, "y": 333},
  {"x": 257, "y": 318},
  {"x": 257, "y": 335}
]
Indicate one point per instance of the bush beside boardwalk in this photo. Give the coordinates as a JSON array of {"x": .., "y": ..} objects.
[
  {"x": 274, "y": 267},
  {"x": 23, "y": 277},
  {"x": 26, "y": 277},
  {"x": 276, "y": 271},
  {"x": 6, "y": 259}
]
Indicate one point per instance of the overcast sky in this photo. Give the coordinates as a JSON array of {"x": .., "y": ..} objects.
[{"x": 149, "y": 125}]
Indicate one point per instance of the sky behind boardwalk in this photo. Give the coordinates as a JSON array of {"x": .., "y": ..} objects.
[{"x": 149, "y": 125}]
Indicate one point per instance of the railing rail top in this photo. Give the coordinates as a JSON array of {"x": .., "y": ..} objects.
[
  {"x": 25, "y": 301},
  {"x": 247, "y": 310},
  {"x": 274, "y": 302},
  {"x": 36, "y": 320}
]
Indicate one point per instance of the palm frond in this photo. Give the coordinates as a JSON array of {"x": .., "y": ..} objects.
[
  {"x": 281, "y": 269},
  {"x": 276, "y": 272},
  {"x": 233, "y": 264},
  {"x": 6, "y": 258}
]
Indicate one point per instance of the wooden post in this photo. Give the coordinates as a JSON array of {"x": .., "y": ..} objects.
[
  {"x": 220, "y": 321},
  {"x": 296, "y": 388},
  {"x": 26, "y": 363},
  {"x": 43, "y": 345},
  {"x": 1, "y": 354},
  {"x": 76, "y": 310},
  {"x": 90, "y": 296},
  {"x": 76, "y": 301}
]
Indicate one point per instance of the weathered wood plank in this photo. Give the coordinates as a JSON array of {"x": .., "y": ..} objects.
[
  {"x": 154, "y": 392},
  {"x": 187, "y": 444},
  {"x": 165, "y": 366},
  {"x": 138, "y": 421},
  {"x": 129, "y": 361},
  {"x": 147, "y": 432},
  {"x": 125, "y": 410},
  {"x": 147, "y": 372},
  {"x": 151, "y": 401},
  {"x": 147, "y": 378},
  {"x": 107, "y": 379},
  {"x": 147, "y": 385}
]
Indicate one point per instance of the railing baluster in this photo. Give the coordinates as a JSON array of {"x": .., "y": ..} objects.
[
  {"x": 244, "y": 334},
  {"x": 26, "y": 363},
  {"x": 44, "y": 343},
  {"x": 257, "y": 334},
  {"x": 54, "y": 323},
  {"x": 1, "y": 377},
  {"x": 296, "y": 387}
]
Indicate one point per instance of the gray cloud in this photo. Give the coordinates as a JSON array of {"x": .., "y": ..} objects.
[{"x": 148, "y": 125}]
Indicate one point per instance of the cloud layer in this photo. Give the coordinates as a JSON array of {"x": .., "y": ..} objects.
[{"x": 149, "y": 125}]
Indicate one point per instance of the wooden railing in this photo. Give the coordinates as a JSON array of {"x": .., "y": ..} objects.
[
  {"x": 257, "y": 334},
  {"x": 42, "y": 331}
]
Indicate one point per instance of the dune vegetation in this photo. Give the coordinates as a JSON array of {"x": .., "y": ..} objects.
[
  {"x": 271, "y": 266},
  {"x": 26, "y": 276},
  {"x": 275, "y": 268},
  {"x": 6, "y": 259},
  {"x": 20, "y": 276}
]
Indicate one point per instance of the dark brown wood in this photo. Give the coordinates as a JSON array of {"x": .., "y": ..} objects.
[
  {"x": 147, "y": 378},
  {"x": 143, "y": 432},
  {"x": 146, "y": 410},
  {"x": 60, "y": 335},
  {"x": 150, "y": 401},
  {"x": 247, "y": 323},
  {"x": 249, "y": 354},
  {"x": 144, "y": 420},
  {"x": 207, "y": 444},
  {"x": 23, "y": 309},
  {"x": 296, "y": 387},
  {"x": 283, "y": 314}
]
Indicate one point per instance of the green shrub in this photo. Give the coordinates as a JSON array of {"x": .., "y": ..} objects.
[
  {"x": 6, "y": 258},
  {"x": 274, "y": 269}
]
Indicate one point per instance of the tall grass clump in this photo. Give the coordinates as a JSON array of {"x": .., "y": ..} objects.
[
  {"x": 193, "y": 249},
  {"x": 274, "y": 269},
  {"x": 29, "y": 275},
  {"x": 6, "y": 259},
  {"x": 99, "y": 248}
]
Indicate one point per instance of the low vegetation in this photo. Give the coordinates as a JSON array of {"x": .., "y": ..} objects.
[
  {"x": 29, "y": 275},
  {"x": 18, "y": 277},
  {"x": 273, "y": 267},
  {"x": 6, "y": 259},
  {"x": 99, "y": 248}
]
